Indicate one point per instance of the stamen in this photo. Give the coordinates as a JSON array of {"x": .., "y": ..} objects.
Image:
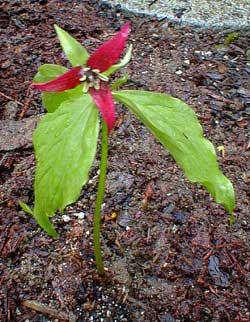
[
  {"x": 97, "y": 86},
  {"x": 92, "y": 78},
  {"x": 85, "y": 87},
  {"x": 103, "y": 77},
  {"x": 82, "y": 79}
]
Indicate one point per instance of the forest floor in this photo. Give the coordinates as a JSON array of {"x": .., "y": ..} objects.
[{"x": 169, "y": 250}]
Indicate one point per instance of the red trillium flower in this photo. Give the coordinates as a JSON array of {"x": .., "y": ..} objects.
[{"x": 91, "y": 75}]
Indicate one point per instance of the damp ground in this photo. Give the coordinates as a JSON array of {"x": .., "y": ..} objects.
[{"x": 169, "y": 250}]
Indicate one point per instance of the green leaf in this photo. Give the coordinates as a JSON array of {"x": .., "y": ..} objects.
[
  {"x": 120, "y": 81},
  {"x": 230, "y": 38},
  {"x": 45, "y": 73},
  {"x": 25, "y": 207},
  {"x": 232, "y": 219},
  {"x": 48, "y": 72},
  {"x": 52, "y": 101},
  {"x": 176, "y": 126},
  {"x": 74, "y": 51},
  {"x": 65, "y": 145},
  {"x": 124, "y": 61}
]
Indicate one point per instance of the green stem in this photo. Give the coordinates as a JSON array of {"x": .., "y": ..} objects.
[{"x": 99, "y": 199}]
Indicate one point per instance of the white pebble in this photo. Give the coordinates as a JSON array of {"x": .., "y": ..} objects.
[
  {"x": 80, "y": 215},
  {"x": 65, "y": 218}
]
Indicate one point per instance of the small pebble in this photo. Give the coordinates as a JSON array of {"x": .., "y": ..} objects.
[
  {"x": 65, "y": 218},
  {"x": 10, "y": 110},
  {"x": 187, "y": 62},
  {"x": 80, "y": 215}
]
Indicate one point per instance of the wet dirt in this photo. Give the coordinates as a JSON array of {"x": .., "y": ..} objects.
[{"x": 169, "y": 250}]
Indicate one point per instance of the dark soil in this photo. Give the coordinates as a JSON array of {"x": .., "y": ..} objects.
[{"x": 169, "y": 250}]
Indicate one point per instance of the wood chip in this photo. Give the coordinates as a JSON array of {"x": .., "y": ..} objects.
[{"x": 45, "y": 309}]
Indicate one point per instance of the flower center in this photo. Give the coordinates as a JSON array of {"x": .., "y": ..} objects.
[{"x": 92, "y": 78}]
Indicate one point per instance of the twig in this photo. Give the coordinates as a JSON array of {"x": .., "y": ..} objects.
[
  {"x": 11, "y": 98},
  {"x": 3, "y": 201},
  {"x": 152, "y": 2},
  {"x": 29, "y": 95},
  {"x": 45, "y": 309}
]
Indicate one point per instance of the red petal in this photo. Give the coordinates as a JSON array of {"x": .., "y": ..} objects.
[
  {"x": 108, "y": 54},
  {"x": 104, "y": 101},
  {"x": 65, "y": 81}
]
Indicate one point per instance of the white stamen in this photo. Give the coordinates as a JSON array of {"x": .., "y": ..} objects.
[
  {"x": 85, "y": 87},
  {"x": 82, "y": 79},
  {"x": 97, "y": 86},
  {"x": 103, "y": 77}
]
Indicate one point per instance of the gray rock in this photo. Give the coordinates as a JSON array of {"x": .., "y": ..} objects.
[
  {"x": 17, "y": 134},
  {"x": 216, "y": 14},
  {"x": 124, "y": 219},
  {"x": 120, "y": 271},
  {"x": 10, "y": 110},
  {"x": 118, "y": 182}
]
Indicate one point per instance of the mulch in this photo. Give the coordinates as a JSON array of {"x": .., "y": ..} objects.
[{"x": 169, "y": 251}]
